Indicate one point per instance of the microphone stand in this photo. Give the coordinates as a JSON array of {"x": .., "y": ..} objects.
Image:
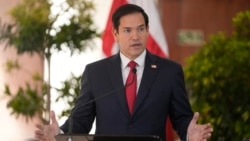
[{"x": 93, "y": 100}]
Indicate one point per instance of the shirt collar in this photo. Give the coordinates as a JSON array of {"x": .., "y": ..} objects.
[{"x": 139, "y": 60}]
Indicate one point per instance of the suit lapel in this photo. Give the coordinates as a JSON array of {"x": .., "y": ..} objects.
[
  {"x": 149, "y": 75},
  {"x": 115, "y": 75}
]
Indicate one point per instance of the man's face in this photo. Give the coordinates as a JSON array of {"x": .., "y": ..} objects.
[{"x": 131, "y": 35}]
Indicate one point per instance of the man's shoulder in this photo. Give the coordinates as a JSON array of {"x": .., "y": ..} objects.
[
  {"x": 104, "y": 61},
  {"x": 163, "y": 60}
]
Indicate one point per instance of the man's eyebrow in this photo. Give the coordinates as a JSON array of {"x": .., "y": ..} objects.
[
  {"x": 143, "y": 25},
  {"x": 126, "y": 28}
]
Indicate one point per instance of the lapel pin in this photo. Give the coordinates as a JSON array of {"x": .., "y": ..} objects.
[{"x": 153, "y": 66}]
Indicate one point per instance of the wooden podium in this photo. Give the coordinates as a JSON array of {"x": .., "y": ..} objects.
[{"x": 88, "y": 137}]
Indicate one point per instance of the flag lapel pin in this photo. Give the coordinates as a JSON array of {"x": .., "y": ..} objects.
[{"x": 153, "y": 66}]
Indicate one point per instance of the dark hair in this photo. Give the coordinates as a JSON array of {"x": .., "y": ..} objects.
[{"x": 125, "y": 10}]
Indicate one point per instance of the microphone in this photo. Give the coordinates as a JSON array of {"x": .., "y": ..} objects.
[{"x": 134, "y": 70}]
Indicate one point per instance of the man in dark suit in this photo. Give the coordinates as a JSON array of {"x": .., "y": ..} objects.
[{"x": 159, "y": 90}]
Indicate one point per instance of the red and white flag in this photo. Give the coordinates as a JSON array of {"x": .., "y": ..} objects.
[{"x": 156, "y": 43}]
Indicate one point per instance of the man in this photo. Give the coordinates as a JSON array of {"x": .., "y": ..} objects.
[{"x": 159, "y": 90}]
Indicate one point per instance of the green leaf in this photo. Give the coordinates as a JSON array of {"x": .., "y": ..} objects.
[{"x": 218, "y": 79}]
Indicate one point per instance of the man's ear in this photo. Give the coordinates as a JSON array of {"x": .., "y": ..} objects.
[
  {"x": 115, "y": 33},
  {"x": 147, "y": 30}
]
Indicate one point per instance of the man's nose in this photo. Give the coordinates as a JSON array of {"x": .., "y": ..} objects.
[{"x": 135, "y": 35}]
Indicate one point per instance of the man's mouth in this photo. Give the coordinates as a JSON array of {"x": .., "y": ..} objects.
[{"x": 135, "y": 45}]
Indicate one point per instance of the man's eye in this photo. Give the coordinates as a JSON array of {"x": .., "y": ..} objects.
[
  {"x": 141, "y": 29},
  {"x": 127, "y": 30}
]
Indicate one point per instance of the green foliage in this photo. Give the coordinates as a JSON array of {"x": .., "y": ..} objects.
[
  {"x": 25, "y": 102},
  {"x": 80, "y": 31},
  {"x": 28, "y": 31},
  {"x": 34, "y": 29},
  {"x": 10, "y": 65},
  {"x": 218, "y": 79},
  {"x": 242, "y": 24},
  {"x": 69, "y": 93}
]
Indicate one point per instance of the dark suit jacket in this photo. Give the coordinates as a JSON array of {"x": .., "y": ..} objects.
[{"x": 161, "y": 94}]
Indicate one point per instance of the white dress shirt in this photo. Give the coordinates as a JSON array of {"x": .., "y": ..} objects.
[{"x": 140, "y": 61}]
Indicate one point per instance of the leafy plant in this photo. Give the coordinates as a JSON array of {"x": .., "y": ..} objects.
[
  {"x": 69, "y": 93},
  {"x": 218, "y": 80},
  {"x": 34, "y": 30},
  {"x": 28, "y": 100},
  {"x": 25, "y": 102}
]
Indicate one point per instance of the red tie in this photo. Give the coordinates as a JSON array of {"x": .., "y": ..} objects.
[{"x": 131, "y": 86}]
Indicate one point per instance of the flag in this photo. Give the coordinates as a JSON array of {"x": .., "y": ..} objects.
[{"x": 156, "y": 42}]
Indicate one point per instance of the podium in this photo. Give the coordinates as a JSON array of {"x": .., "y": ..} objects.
[{"x": 88, "y": 137}]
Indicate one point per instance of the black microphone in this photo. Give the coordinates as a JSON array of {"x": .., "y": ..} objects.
[{"x": 134, "y": 70}]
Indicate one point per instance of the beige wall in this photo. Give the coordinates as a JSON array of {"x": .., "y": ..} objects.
[{"x": 11, "y": 128}]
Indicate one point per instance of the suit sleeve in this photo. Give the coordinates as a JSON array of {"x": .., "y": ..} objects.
[
  {"x": 180, "y": 110},
  {"x": 83, "y": 113}
]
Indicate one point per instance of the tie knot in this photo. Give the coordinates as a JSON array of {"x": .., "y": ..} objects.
[{"x": 132, "y": 64}]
